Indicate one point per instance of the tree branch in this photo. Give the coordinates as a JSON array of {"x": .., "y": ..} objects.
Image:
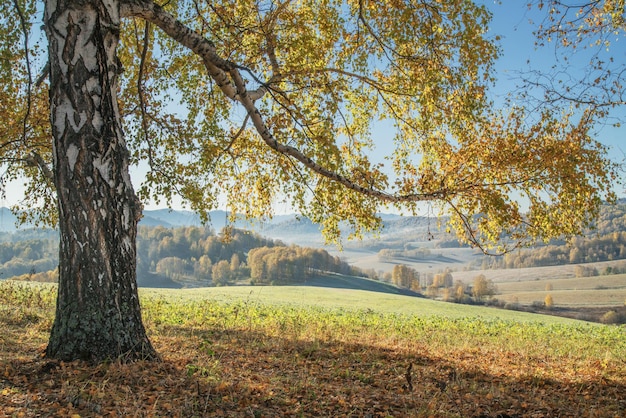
[
  {"x": 217, "y": 66},
  {"x": 140, "y": 88},
  {"x": 220, "y": 70},
  {"x": 29, "y": 85},
  {"x": 35, "y": 160}
]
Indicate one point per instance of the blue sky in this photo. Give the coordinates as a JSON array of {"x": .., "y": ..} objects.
[{"x": 511, "y": 21}]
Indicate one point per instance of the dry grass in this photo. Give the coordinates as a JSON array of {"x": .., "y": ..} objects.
[
  {"x": 617, "y": 281},
  {"x": 569, "y": 298},
  {"x": 600, "y": 291}
]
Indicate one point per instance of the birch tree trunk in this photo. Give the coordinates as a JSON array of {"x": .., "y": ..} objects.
[{"x": 98, "y": 315}]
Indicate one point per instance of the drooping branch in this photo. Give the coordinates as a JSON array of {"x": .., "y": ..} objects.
[
  {"x": 141, "y": 85},
  {"x": 32, "y": 158},
  {"x": 228, "y": 78},
  {"x": 458, "y": 194}
]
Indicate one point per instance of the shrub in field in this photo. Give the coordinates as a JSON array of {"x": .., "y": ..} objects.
[
  {"x": 483, "y": 287},
  {"x": 611, "y": 317},
  {"x": 513, "y": 305},
  {"x": 537, "y": 304},
  {"x": 548, "y": 301}
]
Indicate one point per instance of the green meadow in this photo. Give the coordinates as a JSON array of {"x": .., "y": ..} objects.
[{"x": 341, "y": 300}]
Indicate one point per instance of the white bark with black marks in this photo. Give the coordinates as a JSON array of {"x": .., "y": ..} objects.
[{"x": 98, "y": 315}]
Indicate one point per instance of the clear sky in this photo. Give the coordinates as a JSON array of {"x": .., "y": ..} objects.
[{"x": 511, "y": 21}]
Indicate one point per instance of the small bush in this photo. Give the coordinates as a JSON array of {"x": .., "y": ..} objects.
[
  {"x": 611, "y": 317},
  {"x": 537, "y": 304},
  {"x": 513, "y": 306}
]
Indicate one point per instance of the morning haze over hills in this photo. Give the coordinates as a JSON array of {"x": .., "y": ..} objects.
[{"x": 411, "y": 255}]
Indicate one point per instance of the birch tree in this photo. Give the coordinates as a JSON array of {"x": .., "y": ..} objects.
[{"x": 264, "y": 101}]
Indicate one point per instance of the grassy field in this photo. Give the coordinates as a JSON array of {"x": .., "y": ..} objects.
[
  {"x": 303, "y": 297},
  {"x": 309, "y": 351},
  {"x": 598, "y": 291}
]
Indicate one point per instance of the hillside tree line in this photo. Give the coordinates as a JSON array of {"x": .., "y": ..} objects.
[
  {"x": 579, "y": 250},
  {"x": 188, "y": 256}
]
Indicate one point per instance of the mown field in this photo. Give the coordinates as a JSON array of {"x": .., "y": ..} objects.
[
  {"x": 305, "y": 351},
  {"x": 598, "y": 291}
]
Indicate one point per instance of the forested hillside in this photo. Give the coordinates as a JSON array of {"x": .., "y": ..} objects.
[
  {"x": 185, "y": 256},
  {"x": 28, "y": 251},
  {"x": 197, "y": 256},
  {"x": 607, "y": 242},
  {"x": 581, "y": 250}
]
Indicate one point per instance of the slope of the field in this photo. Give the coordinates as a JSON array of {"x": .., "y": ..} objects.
[
  {"x": 346, "y": 299},
  {"x": 340, "y": 281}
]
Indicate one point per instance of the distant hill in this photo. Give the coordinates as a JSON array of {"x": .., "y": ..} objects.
[
  {"x": 287, "y": 228},
  {"x": 397, "y": 231},
  {"x": 169, "y": 218}
]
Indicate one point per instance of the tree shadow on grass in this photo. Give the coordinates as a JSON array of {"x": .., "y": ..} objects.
[
  {"x": 338, "y": 281},
  {"x": 245, "y": 373}
]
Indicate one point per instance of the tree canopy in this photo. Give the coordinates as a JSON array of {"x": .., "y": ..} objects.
[{"x": 258, "y": 101}]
